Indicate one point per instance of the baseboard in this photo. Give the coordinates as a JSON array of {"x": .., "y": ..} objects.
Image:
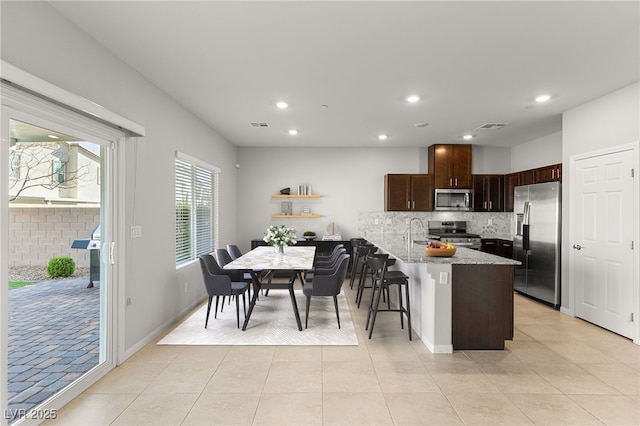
[{"x": 157, "y": 331}]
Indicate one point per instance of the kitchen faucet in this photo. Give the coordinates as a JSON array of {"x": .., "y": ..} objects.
[{"x": 409, "y": 238}]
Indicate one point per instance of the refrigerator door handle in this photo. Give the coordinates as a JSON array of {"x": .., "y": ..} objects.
[
  {"x": 525, "y": 238},
  {"x": 527, "y": 213}
]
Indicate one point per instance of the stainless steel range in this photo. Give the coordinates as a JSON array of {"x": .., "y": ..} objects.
[{"x": 454, "y": 232}]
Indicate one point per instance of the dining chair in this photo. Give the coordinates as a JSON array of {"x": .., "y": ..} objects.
[
  {"x": 327, "y": 285},
  {"x": 223, "y": 257},
  {"x": 327, "y": 266},
  {"x": 323, "y": 258},
  {"x": 234, "y": 251},
  {"x": 218, "y": 283}
]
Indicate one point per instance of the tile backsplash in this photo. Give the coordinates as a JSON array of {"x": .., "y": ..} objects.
[{"x": 487, "y": 225}]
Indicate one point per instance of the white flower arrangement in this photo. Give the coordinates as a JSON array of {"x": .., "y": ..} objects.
[{"x": 280, "y": 236}]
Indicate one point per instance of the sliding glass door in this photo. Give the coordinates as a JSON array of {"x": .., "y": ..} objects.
[{"x": 58, "y": 328}]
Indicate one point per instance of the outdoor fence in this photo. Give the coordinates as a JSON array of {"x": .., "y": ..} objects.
[{"x": 36, "y": 234}]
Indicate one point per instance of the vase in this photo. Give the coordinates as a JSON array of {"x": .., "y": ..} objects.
[{"x": 280, "y": 248}]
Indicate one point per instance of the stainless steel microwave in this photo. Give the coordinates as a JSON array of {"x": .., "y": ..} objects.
[{"x": 453, "y": 200}]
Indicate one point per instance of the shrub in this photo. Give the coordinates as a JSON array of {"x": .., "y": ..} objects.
[{"x": 62, "y": 266}]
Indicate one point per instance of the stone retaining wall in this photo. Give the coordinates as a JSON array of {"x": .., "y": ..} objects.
[{"x": 36, "y": 234}]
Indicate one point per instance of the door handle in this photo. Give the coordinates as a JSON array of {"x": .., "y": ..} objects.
[{"x": 577, "y": 246}]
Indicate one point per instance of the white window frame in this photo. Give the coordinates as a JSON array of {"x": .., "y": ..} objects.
[{"x": 187, "y": 170}]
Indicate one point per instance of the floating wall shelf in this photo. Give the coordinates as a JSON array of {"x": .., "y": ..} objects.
[
  {"x": 296, "y": 216},
  {"x": 296, "y": 196}
]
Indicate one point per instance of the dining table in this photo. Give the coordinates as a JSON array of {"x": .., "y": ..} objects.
[{"x": 264, "y": 261}]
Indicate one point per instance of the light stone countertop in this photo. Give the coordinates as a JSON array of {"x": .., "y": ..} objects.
[{"x": 397, "y": 248}]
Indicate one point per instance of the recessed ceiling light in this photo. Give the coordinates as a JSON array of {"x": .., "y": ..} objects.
[
  {"x": 421, "y": 124},
  {"x": 413, "y": 98},
  {"x": 293, "y": 132},
  {"x": 382, "y": 137},
  {"x": 53, "y": 136},
  {"x": 543, "y": 98},
  {"x": 467, "y": 137},
  {"x": 282, "y": 105}
]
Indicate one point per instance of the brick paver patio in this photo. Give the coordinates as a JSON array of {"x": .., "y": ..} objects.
[{"x": 53, "y": 338}]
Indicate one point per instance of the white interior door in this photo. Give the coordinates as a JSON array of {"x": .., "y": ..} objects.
[{"x": 602, "y": 220}]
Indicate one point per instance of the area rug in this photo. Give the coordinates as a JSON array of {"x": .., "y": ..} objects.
[{"x": 272, "y": 322}]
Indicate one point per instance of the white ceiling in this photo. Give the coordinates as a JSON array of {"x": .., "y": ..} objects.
[{"x": 471, "y": 62}]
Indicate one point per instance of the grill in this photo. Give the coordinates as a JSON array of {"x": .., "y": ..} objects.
[
  {"x": 93, "y": 245},
  {"x": 454, "y": 232}
]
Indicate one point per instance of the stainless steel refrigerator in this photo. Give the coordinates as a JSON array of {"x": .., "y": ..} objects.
[{"x": 537, "y": 241}]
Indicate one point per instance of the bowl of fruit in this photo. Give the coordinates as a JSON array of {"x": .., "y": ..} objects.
[{"x": 438, "y": 249}]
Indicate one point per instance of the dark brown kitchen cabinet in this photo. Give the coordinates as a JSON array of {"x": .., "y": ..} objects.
[
  {"x": 450, "y": 165},
  {"x": 488, "y": 193},
  {"x": 551, "y": 173},
  {"x": 527, "y": 177},
  {"x": 497, "y": 246},
  {"x": 510, "y": 182},
  {"x": 408, "y": 192}
]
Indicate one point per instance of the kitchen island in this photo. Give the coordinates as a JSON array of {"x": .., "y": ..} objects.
[{"x": 461, "y": 302}]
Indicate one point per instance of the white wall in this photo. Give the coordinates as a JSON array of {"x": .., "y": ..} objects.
[
  {"x": 349, "y": 180},
  {"x": 38, "y": 40},
  {"x": 609, "y": 121},
  {"x": 490, "y": 160},
  {"x": 539, "y": 152}
]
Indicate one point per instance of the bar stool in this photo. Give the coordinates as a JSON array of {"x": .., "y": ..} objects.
[
  {"x": 355, "y": 242},
  {"x": 383, "y": 279},
  {"x": 359, "y": 262},
  {"x": 363, "y": 277}
]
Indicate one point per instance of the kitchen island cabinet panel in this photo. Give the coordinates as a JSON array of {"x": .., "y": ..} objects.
[{"x": 482, "y": 306}]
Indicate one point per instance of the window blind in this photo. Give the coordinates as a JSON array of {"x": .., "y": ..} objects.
[{"x": 196, "y": 209}]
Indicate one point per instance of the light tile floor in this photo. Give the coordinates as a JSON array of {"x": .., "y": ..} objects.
[{"x": 557, "y": 371}]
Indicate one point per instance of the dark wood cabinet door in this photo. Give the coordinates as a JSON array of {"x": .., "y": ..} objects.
[
  {"x": 489, "y": 245},
  {"x": 527, "y": 177},
  {"x": 422, "y": 192},
  {"x": 510, "y": 182},
  {"x": 397, "y": 192},
  {"x": 488, "y": 193},
  {"x": 505, "y": 248},
  {"x": 495, "y": 198},
  {"x": 461, "y": 166},
  {"x": 479, "y": 199},
  {"x": 439, "y": 165}
]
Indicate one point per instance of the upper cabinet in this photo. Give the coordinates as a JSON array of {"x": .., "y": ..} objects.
[
  {"x": 450, "y": 165},
  {"x": 408, "y": 192},
  {"x": 488, "y": 193},
  {"x": 551, "y": 173}
]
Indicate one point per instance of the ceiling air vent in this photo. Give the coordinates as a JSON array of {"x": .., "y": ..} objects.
[
  {"x": 259, "y": 125},
  {"x": 492, "y": 126}
]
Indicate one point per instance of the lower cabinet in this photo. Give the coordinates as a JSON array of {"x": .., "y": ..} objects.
[{"x": 498, "y": 247}]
